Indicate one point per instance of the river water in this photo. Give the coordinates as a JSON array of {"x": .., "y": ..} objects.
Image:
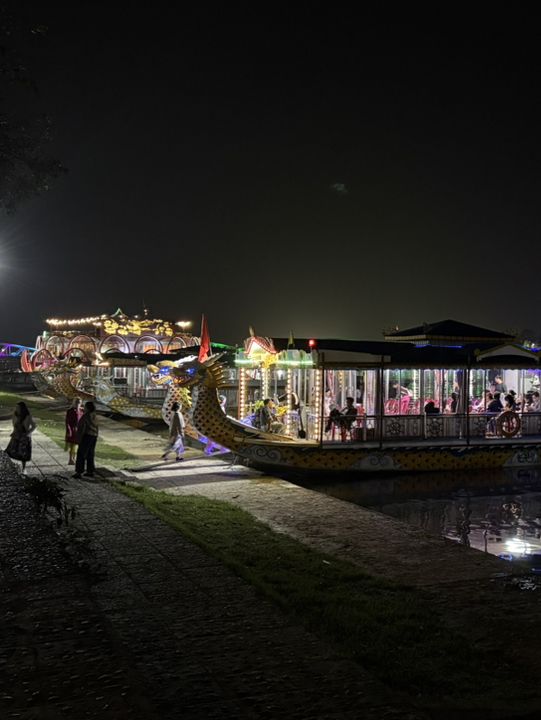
[{"x": 494, "y": 511}]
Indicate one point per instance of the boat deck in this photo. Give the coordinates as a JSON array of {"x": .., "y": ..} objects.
[{"x": 529, "y": 440}]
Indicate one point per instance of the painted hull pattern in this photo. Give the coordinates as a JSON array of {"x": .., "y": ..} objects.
[{"x": 414, "y": 459}]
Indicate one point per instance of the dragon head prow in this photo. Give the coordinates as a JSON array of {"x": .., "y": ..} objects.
[{"x": 210, "y": 373}]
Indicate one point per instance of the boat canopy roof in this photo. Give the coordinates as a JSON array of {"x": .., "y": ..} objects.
[
  {"x": 447, "y": 343},
  {"x": 448, "y": 331},
  {"x": 402, "y": 354}
]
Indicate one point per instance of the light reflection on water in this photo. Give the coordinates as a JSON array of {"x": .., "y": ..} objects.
[{"x": 494, "y": 511}]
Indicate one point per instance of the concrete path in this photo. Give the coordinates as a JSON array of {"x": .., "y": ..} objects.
[
  {"x": 376, "y": 542},
  {"x": 147, "y": 447},
  {"x": 200, "y": 634},
  {"x": 159, "y": 630},
  {"x": 472, "y": 590}
]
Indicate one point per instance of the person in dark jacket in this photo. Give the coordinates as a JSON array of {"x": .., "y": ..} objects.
[
  {"x": 87, "y": 436},
  {"x": 494, "y": 408},
  {"x": 510, "y": 402},
  {"x": 495, "y": 405}
]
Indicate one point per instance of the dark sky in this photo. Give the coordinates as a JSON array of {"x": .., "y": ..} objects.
[{"x": 321, "y": 173}]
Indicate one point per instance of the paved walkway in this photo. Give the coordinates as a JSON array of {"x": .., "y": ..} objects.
[
  {"x": 473, "y": 591},
  {"x": 183, "y": 633},
  {"x": 160, "y": 630},
  {"x": 378, "y": 543}
]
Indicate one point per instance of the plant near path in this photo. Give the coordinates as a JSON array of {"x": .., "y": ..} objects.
[{"x": 49, "y": 496}]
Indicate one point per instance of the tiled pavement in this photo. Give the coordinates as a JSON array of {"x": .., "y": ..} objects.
[{"x": 161, "y": 631}]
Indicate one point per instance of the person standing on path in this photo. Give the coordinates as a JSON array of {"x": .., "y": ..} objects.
[
  {"x": 20, "y": 445},
  {"x": 73, "y": 415},
  {"x": 176, "y": 434},
  {"x": 87, "y": 437}
]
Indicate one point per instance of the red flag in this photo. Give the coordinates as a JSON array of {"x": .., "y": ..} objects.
[{"x": 204, "y": 348}]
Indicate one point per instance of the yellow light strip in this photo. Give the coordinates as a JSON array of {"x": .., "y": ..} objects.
[
  {"x": 289, "y": 390},
  {"x": 317, "y": 402},
  {"x": 265, "y": 382},
  {"x": 242, "y": 394},
  {"x": 81, "y": 321}
]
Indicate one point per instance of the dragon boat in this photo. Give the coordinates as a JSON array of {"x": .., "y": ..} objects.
[
  {"x": 451, "y": 367},
  {"x": 124, "y": 363}
]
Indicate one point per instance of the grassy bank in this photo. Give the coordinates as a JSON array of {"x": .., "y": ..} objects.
[
  {"x": 51, "y": 422},
  {"x": 391, "y": 630}
]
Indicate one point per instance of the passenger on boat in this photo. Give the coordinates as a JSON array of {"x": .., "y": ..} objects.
[
  {"x": 482, "y": 403},
  {"x": 493, "y": 408},
  {"x": 289, "y": 400},
  {"x": 536, "y": 403},
  {"x": 510, "y": 402},
  {"x": 269, "y": 423},
  {"x": 495, "y": 405},
  {"x": 498, "y": 385},
  {"x": 452, "y": 403},
  {"x": 431, "y": 409},
  {"x": 349, "y": 413},
  {"x": 334, "y": 419},
  {"x": 399, "y": 390}
]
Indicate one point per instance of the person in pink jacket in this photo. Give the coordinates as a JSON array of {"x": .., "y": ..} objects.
[{"x": 73, "y": 415}]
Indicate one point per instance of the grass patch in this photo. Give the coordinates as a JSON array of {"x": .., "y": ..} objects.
[
  {"x": 391, "y": 630},
  {"x": 52, "y": 423},
  {"x": 8, "y": 400}
]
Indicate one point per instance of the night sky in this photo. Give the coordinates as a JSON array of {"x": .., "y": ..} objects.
[{"x": 324, "y": 174}]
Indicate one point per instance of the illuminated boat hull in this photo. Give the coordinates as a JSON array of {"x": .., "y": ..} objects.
[
  {"x": 275, "y": 452},
  {"x": 327, "y": 459}
]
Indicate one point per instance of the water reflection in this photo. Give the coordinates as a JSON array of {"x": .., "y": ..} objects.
[{"x": 494, "y": 511}]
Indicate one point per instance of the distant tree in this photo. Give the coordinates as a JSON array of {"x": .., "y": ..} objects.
[{"x": 26, "y": 168}]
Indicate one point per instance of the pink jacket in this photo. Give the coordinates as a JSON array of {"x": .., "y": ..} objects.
[{"x": 72, "y": 418}]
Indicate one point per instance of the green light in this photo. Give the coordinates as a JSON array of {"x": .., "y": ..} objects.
[{"x": 242, "y": 361}]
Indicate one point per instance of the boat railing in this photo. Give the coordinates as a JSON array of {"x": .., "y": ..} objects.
[{"x": 453, "y": 426}]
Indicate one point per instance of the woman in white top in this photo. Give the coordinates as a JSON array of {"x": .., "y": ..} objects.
[{"x": 20, "y": 445}]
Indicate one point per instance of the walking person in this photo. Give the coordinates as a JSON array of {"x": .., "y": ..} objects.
[
  {"x": 87, "y": 436},
  {"x": 20, "y": 444},
  {"x": 176, "y": 434},
  {"x": 73, "y": 415}
]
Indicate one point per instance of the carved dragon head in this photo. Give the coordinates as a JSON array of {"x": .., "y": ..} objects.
[{"x": 211, "y": 373}]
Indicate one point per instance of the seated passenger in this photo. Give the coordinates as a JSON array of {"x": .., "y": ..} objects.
[
  {"x": 399, "y": 391},
  {"x": 482, "y": 407},
  {"x": 452, "y": 403},
  {"x": 483, "y": 403},
  {"x": 349, "y": 413},
  {"x": 495, "y": 406},
  {"x": 536, "y": 403},
  {"x": 510, "y": 402},
  {"x": 269, "y": 423},
  {"x": 431, "y": 409}
]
